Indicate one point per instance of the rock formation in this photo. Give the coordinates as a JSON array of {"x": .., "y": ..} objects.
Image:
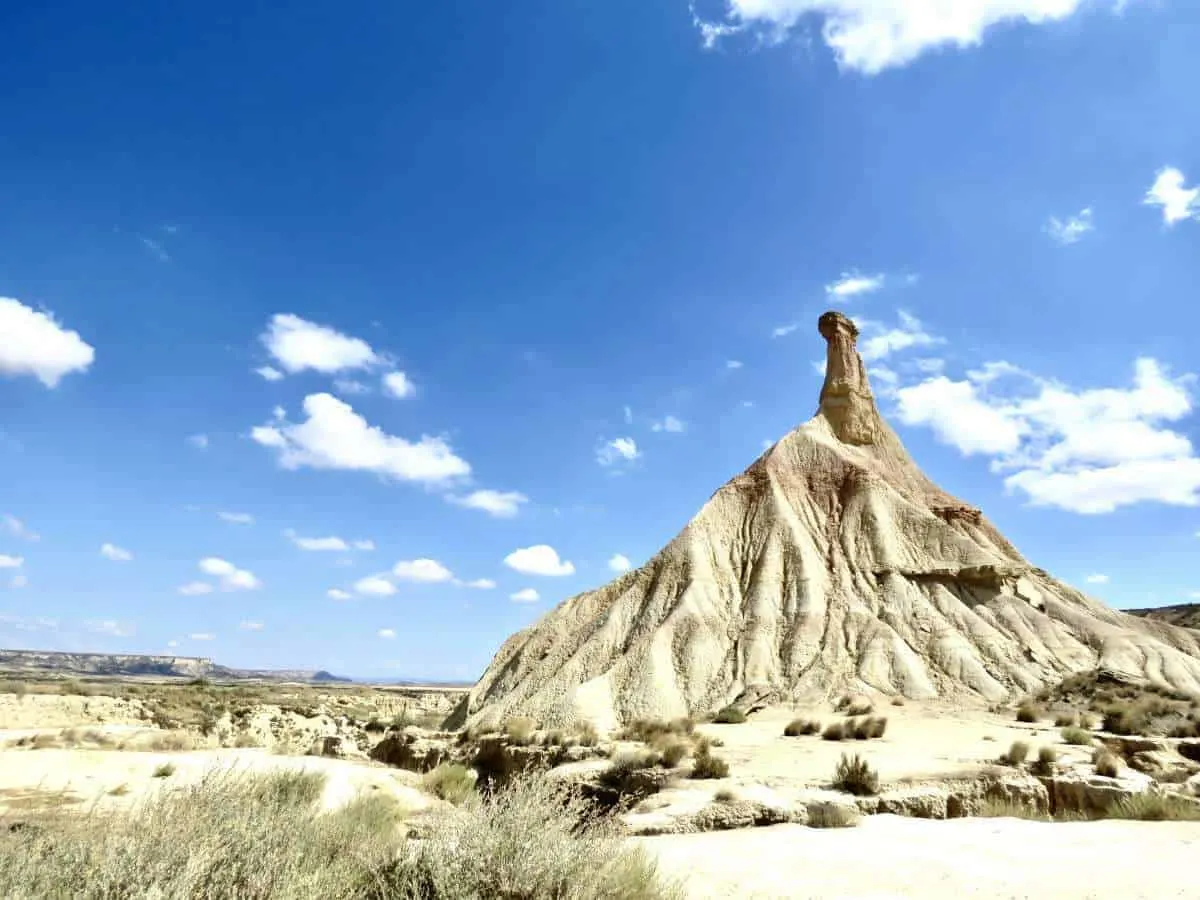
[{"x": 831, "y": 564}]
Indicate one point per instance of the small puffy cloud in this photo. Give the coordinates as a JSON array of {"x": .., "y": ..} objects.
[
  {"x": 33, "y": 343},
  {"x": 541, "y": 559},
  {"x": 317, "y": 544},
  {"x": 1097, "y": 579},
  {"x": 733, "y": 364},
  {"x": 199, "y": 441},
  {"x": 270, "y": 373},
  {"x": 196, "y": 588},
  {"x": 108, "y": 628},
  {"x": 297, "y": 344},
  {"x": 334, "y": 436},
  {"x": 397, "y": 384},
  {"x": 869, "y": 36},
  {"x": 783, "y": 330},
  {"x": 251, "y": 626},
  {"x": 529, "y": 595},
  {"x": 481, "y": 584},
  {"x": 338, "y": 594},
  {"x": 878, "y": 341},
  {"x": 1070, "y": 230},
  {"x": 619, "y": 563},
  {"x": 201, "y": 636},
  {"x": 501, "y": 504},
  {"x": 229, "y": 576},
  {"x": 387, "y": 633},
  {"x": 14, "y": 526},
  {"x": 375, "y": 586},
  {"x": 622, "y": 449},
  {"x": 1177, "y": 202},
  {"x": 425, "y": 571},
  {"x": 670, "y": 424},
  {"x": 11, "y": 562},
  {"x": 851, "y": 284},
  {"x": 115, "y": 553},
  {"x": 236, "y": 518}
]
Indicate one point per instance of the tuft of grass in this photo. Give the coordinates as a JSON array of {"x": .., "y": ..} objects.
[
  {"x": 1155, "y": 807},
  {"x": 1016, "y": 754},
  {"x": 520, "y": 729},
  {"x": 586, "y": 734},
  {"x": 1046, "y": 760},
  {"x": 166, "y": 770},
  {"x": 705, "y": 765},
  {"x": 897, "y": 701},
  {"x": 119, "y": 791},
  {"x": 800, "y": 727},
  {"x": 730, "y": 715},
  {"x": 1028, "y": 712},
  {"x": 1075, "y": 736},
  {"x": 725, "y": 795},
  {"x": 451, "y": 782},
  {"x": 621, "y": 774},
  {"x": 1064, "y": 720},
  {"x": 1106, "y": 762},
  {"x": 999, "y": 808},
  {"x": 860, "y": 707},
  {"x": 671, "y": 750},
  {"x": 855, "y": 776},
  {"x": 1126, "y": 719},
  {"x": 834, "y": 731},
  {"x": 833, "y": 815}
]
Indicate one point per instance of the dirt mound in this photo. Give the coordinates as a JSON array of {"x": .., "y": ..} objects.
[{"x": 832, "y": 564}]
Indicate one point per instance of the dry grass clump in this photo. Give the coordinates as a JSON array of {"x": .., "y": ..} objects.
[
  {"x": 1046, "y": 760},
  {"x": 451, "y": 782},
  {"x": 1016, "y": 754},
  {"x": 897, "y": 701},
  {"x": 1064, "y": 720},
  {"x": 1076, "y": 736},
  {"x": 647, "y": 730},
  {"x": 800, "y": 727},
  {"x": 1001, "y": 808},
  {"x": 254, "y": 838},
  {"x": 705, "y": 765},
  {"x": 730, "y": 715},
  {"x": 1155, "y": 807},
  {"x": 725, "y": 795},
  {"x": 520, "y": 729},
  {"x": 834, "y": 731},
  {"x": 170, "y": 742},
  {"x": 1028, "y": 712},
  {"x": 671, "y": 749},
  {"x": 855, "y": 776},
  {"x": 166, "y": 770},
  {"x": 622, "y": 773},
  {"x": 867, "y": 728},
  {"x": 854, "y": 706},
  {"x": 833, "y": 815},
  {"x": 17, "y": 688},
  {"x": 586, "y": 734},
  {"x": 1106, "y": 762}
]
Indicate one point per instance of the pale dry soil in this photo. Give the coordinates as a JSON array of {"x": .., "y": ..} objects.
[{"x": 891, "y": 857}]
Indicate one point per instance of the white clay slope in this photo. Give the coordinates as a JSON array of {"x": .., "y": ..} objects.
[{"x": 831, "y": 564}]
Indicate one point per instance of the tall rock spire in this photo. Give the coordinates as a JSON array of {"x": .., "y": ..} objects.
[{"x": 846, "y": 400}]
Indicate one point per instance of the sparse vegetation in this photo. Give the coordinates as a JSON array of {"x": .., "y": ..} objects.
[
  {"x": 800, "y": 727},
  {"x": 1106, "y": 762},
  {"x": 1046, "y": 760},
  {"x": 867, "y": 728},
  {"x": 834, "y": 731},
  {"x": 730, "y": 715},
  {"x": 648, "y": 730},
  {"x": 1076, "y": 736},
  {"x": 451, "y": 782},
  {"x": 1154, "y": 807},
  {"x": 165, "y": 770},
  {"x": 897, "y": 701},
  {"x": 1016, "y": 754},
  {"x": 520, "y": 729},
  {"x": 705, "y": 765},
  {"x": 672, "y": 750},
  {"x": 586, "y": 734},
  {"x": 1029, "y": 713},
  {"x": 855, "y": 776},
  {"x": 833, "y": 815},
  {"x": 1064, "y": 720},
  {"x": 725, "y": 795}
]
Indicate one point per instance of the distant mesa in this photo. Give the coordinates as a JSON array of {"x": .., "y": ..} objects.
[
  {"x": 832, "y": 564},
  {"x": 120, "y": 665}
]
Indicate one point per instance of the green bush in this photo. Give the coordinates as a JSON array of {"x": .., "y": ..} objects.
[
  {"x": 1076, "y": 736},
  {"x": 706, "y": 765},
  {"x": 451, "y": 782},
  {"x": 855, "y": 776},
  {"x": 1045, "y": 762},
  {"x": 1016, "y": 754}
]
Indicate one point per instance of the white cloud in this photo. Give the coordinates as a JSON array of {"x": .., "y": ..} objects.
[
  {"x": 251, "y": 626},
  {"x": 270, "y": 373},
  {"x": 33, "y": 343},
  {"x": 297, "y": 344},
  {"x": 851, "y": 284},
  {"x": 397, "y": 384},
  {"x": 17, "y": 528},
  {"x": 317, "y": 544},
  {"x": 869, "y": 36},
  {"x": 877, "y": 341},
  {"x": 669, "y": 424},
  {"x": 11, "y": 562},
  {"x": 619, "y": 563},
  {"x": 18, "y": 581},
  {"x": 387, "y": 633},
  {"x": 541, "y": 559},
  {"x": 1071, "y": 230},
  {"x": 364, "y": 545},
  {"x": 1089, "y": 451},
  {"x": 236, "y": 518},
  {"x": 172, "y": 644},
  {"x": 529, "y": 595},
  {"x": 481, "y": 584},
  {"x": 618, "y": 450},
  {"x": 334, "y": 436},
  {"x": 338, "y": 594},
  {"x": 375, "y": 586},
  {"x": 231, "y": 578},
  {"x": 427, "y": 571},
  {"x": 628, "y": 415},
  {"x": 350, "y": 386},
  {"x": 733, "y": 364},
  {"x": 501, "y": 504},
  {"x": 108, "y": 627},
  {"x": 1177, "y": 202},
  {"x": 115, "y": 553},
  {"x": 783, "y": 330},
  {"x": 1097, "y": 579},
  {"x": 202, "y": 636},
  {"x": 196, "y": 588},
  {"x": 199, "y": 441}
]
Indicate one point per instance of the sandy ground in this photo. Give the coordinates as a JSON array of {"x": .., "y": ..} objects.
[
  {"x": 113, "y": 779},
  {"x": 892, "y": 857}
]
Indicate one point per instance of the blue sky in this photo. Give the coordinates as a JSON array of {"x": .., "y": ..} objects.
[{"x": 323, "y": 324}]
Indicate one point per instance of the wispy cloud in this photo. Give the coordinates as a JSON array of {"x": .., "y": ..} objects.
[
  {"x": 155, "y": 247},
  {"x": 622, "y": 449},
  {"x": 115, "y": 553},
  {"x": 236, "y": 518},
  {"x": 1070, "y": 230},
  {"x": 852, "y": 284}
]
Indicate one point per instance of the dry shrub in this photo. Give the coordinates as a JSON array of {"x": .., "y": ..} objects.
[
  {"x": 451, "y": 782},
  {"x": 621, "y": 775},
  {"x": 860, "y": 707},
  {"x": 799, "y": 727},
  {"x": 45, "y": 742},
  {"x": 725, "y": 795},
  {"x": 855, "y": 776},
  {"x": 1064, "y": 720},
  {"x": 1106, "y": 762},
  {"x": 833, "y": 815},
  {"x": 647, "y": 730},
  {"x": 246, "y": 740},
  {"x": 1003, "y": 808},
  {"x": 877, "y": 727},
  {"x": 867, "y": 728},
  {"x": 730, "y": 715},
  {"x": 1016, "y": 754},
  {"x": 520, "y": 729},
  {"x": 586, "y": 734},
  {"x": 897, "y": 701},
  {"x": 706, "y": 765},
  {"x": 1155, "y": 807},
  {"x": 165, "y": 770},
  {"x": 170, "y": 742},
  {"x": 1076, "y": 736},
  {"x": 834, "y": 731},
  {"x": 1028, "y": 712},
  {"x": 1045, "y": 762},
  {"x": 671, "y": 750},
  {"x": 1126, "y": 719}
]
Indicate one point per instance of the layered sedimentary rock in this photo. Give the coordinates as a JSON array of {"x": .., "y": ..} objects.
[{"x": 831, "y": 564}]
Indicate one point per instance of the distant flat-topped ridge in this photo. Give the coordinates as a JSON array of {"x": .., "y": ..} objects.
[
  {"x": 832, "y": 563},
  {"x": 143, "y": 665}
]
